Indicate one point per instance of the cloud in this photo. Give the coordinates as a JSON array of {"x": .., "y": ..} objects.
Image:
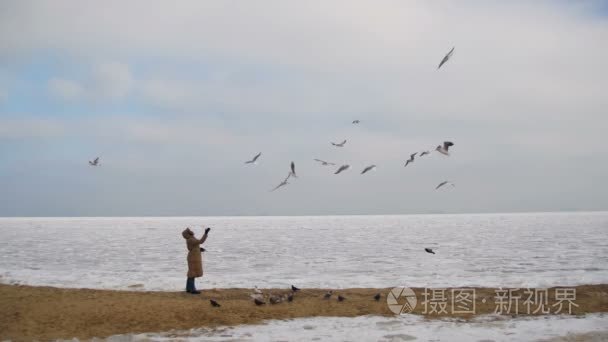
[
  {"x": 28, "y": 128},
  {"x": 107, "y": 81},
  {"x": 65, "y": 89},
  {"x": 204, "y": 85},
  {"x": 112, "y": 80}
]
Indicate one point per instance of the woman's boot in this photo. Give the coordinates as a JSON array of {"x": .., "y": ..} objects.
[{"x": 194, "y": 290}]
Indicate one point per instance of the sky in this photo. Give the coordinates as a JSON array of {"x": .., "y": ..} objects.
[{"x": 175, "y": 96}]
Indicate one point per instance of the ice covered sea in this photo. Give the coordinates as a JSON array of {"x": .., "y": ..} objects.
[
  {"x": 512, "y": 250},
  {"x": 509, "y": 250},
  {"x": 401, "y": 328}
]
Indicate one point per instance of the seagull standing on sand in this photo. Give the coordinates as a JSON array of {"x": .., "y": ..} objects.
[
  {"x": 443, "y": 183},
  {"x": 214, "y": 303},
  {"x": 94, "y": 162},
  {"x": 328, "y": 294},
  {"x": 340, "y": 298},
  {"x": 273, "y": 299},
  {"x": 342, "y": 168},
  {"x": 340, "y": 144},
  {"x": 444, "y": 149},
  {"x": 446, "y": 58},
  {"x": 411, "y": 160},
  {"x": 294, "y": 289},
  {"x": 428, "y": 250},
  {"x": 253, "y": 161},
  {"x": 324, "y": 163},
  {"x": 377, "y": 297},
  {"x": 369, "y": 168}
]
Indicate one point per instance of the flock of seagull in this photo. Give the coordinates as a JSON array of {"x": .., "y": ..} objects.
[
  {"x": 443, "y": 149},
  {"x": 260, "y": 298}
]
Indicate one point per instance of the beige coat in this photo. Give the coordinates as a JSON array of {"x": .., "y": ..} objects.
[{"x": 195, "y": 260}]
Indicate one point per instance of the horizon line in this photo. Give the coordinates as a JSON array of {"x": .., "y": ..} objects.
[{"x": 321, "y": 215}]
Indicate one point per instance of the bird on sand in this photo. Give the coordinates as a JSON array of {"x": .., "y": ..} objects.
[
  {"x": 324, "y": 163},
  {"x": 294, "y": 289},
  {"x": 446, "y": 58},
  {"x": 411, "y": 160},
  {"x": 95, "y": 162},
  {"x": 328, "y": 294},
  {"x": 283, "y": 183},
  {"x": 253, "y": 161},
  {"x": 377, "y": 297},
  {"x": 258, "y": 302},
  {"x": 369, "y": 168},
  {"x": 443, "y": 183},
  {"x": 340, "y": 298},
  {"x": 342, "y": 168},
  {"x": 275, "y": 299},
  {"x": 293, "y": 170},
  {"x": 356, "y": 122},
  {"x": 444, "y": 149},
  {"x": 424, "y": 153},
  {"x": 214, "y": 303},
  {"x": 428, "y": 250},
  {"x": 340, "y": 144}
]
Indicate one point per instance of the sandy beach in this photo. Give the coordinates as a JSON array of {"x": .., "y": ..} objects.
[{"x": 46, "y": 313}]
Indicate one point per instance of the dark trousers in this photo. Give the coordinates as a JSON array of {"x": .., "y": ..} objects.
[{"x": 190, "y": 287}]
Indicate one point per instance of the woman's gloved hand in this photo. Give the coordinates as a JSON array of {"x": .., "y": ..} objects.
[{"x": 207, "y": 230}]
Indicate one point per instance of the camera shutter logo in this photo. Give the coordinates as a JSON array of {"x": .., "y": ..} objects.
[{"x": 409, "y": 304}]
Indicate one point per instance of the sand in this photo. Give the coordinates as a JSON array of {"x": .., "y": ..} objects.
[{"x": 44, "y": 313}]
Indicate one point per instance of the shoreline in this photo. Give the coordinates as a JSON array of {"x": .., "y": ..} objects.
[{"x": 47, "y": 313}]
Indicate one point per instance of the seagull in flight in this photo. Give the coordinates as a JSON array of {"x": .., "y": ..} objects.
[
  {"x": 283, "y": 183},
  {"x": 428, "y": 250},
  {"x": 342, "y": 168},
  {"x": 411, "y": 160},
  {"x": 340, "y": 144},
  {"x": 356, "y": 122},
  {"x": 95, "y": 162},
  {"x": 369, "y": 168},
  {"x": 253, "y": 161},
  {"x": 324, "y": 163},
  {"x": 444, "y": 183},
  {"x": 424, "y": 153},
  {"x": 444, "y": 149},
  {"x": 293, "y": 171},
  {"x": 446, "y": 58}
]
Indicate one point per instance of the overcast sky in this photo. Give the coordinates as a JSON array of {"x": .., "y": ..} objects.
[{"x": 175, "y": 96}]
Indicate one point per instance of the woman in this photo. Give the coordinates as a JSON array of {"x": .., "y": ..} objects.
[{"x": 195, "y": 260}]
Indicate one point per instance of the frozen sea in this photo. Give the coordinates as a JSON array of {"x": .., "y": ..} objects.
[
  {"x": 509, "y": 250},
  {"x": 401, "y": 328}
]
